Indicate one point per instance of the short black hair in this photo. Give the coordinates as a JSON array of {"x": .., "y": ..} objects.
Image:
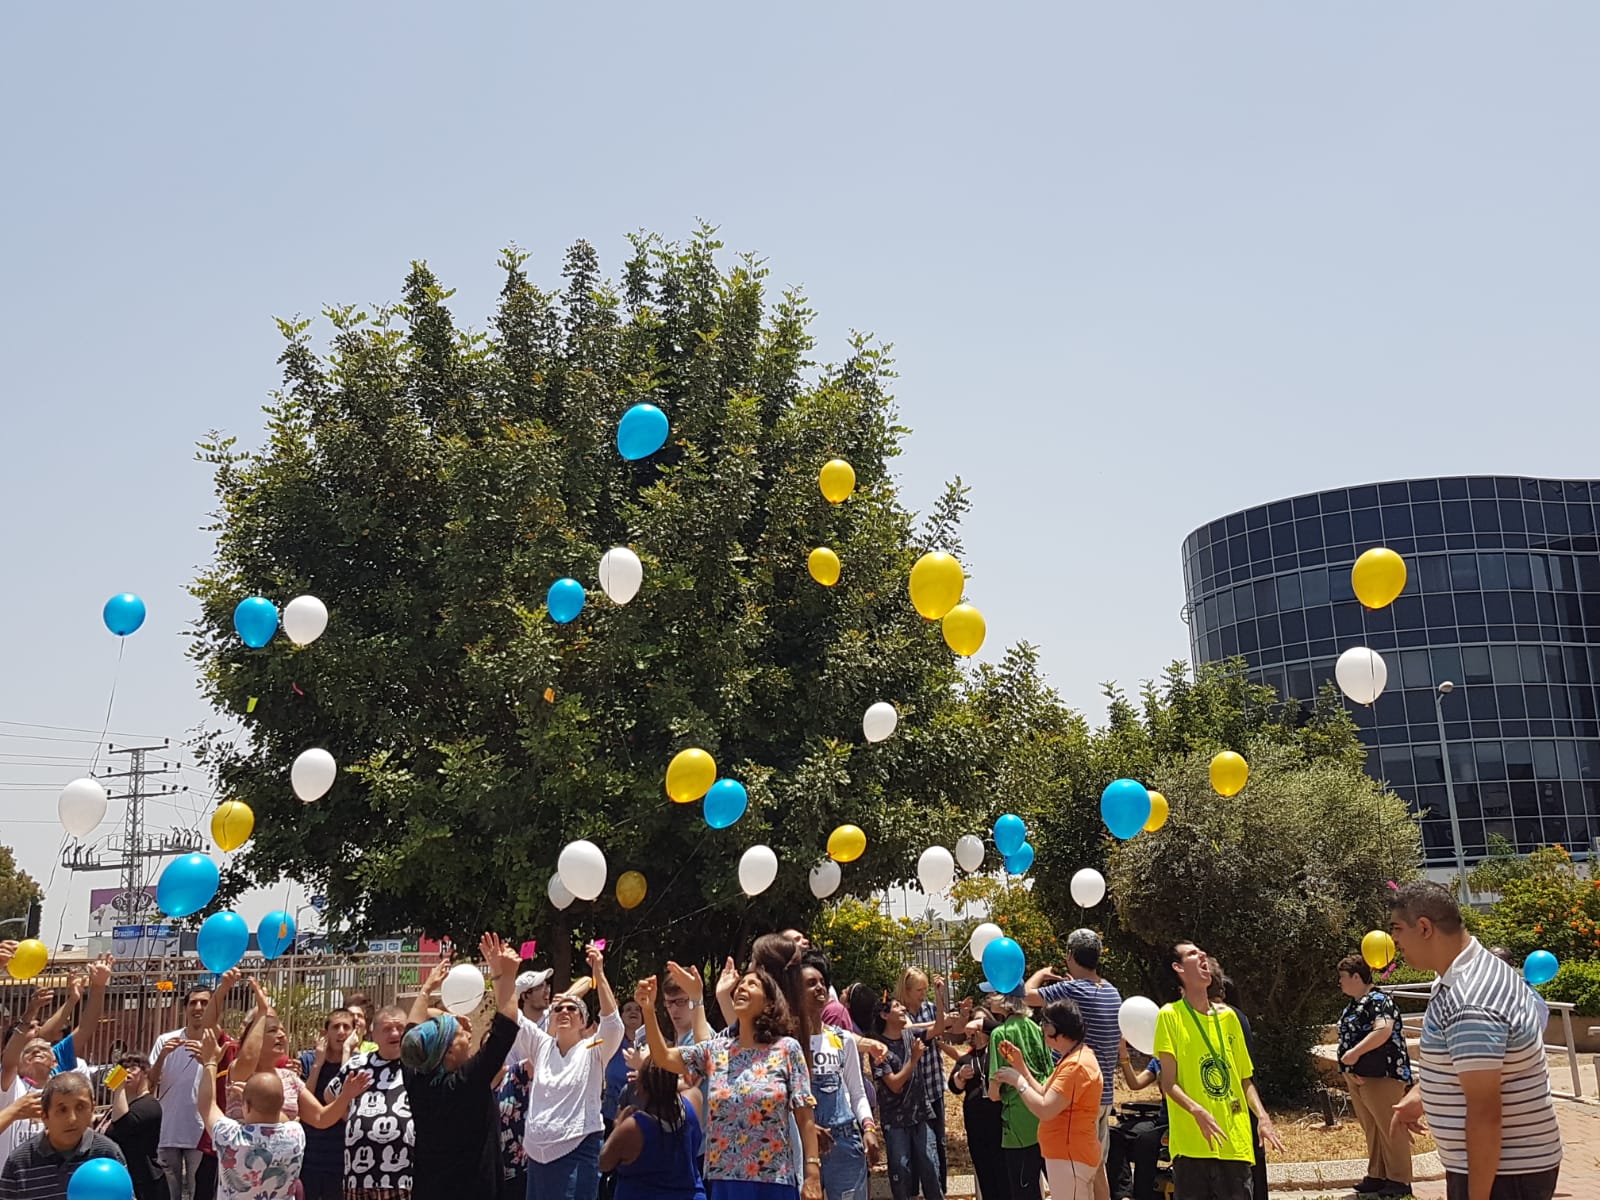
[
  {"x": 195, "y": 991},
  {"x": 818, "y": 961},
  {"x": 1354, "y": 964},
  {"x": 1424, "y": 898},
  {"x": 1065, "y": 1018},
  {"x": 67, "y": 1083}
]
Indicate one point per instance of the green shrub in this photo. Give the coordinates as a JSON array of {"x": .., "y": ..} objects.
[
  {"x": 1578, "y": 984},
  {"x": 863, "y": 943},
  {"x": 1553, "y": 905}
]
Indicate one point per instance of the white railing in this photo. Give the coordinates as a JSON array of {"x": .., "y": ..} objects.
[{"x": 1424, "y": 991}]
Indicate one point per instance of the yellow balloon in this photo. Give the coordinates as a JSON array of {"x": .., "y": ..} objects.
[
  {"x": 824, "y": 566},
  {"x": 232, "y": 824},
  {"x": 1158, "y": 812},
  {"x": 631, "y": 888},
  {"x": 1378, "y": 577},
  {"x": 964, "y": 628},
  {"x": 1378, "y": 949},
  {"x": 837, "y": 479},
  {"x": 28, "y": 960},
  {"x": 846, "y": 844},
  {"x": 1229, "y": 772},
  {"x": 690, "y": 775},
  {"x": 936, "y": 583}
]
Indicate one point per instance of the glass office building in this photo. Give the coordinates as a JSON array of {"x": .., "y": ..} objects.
[{"x": 1502, "y": 599}]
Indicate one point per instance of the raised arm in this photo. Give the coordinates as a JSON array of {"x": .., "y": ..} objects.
[
  {"x": 668, "y": 1058},
  {"x": 89, "y": 1020},
  {"x": 726, "y": 982},
  {"x": 1033, "y": 989},
  {"x": 319, "y": 1115},
  {"x": 206, "y": 1094},
  {"x": 248, "y": 1059},
  {"x": 502, "y": 961},
  {"x": 56, "y": 1027},
  {"x": 419, "y": 1006},
  {"x": 219, "y": 997},
  {"x": 694, "y": 987},
  {"x": 898, "y": 1080}
]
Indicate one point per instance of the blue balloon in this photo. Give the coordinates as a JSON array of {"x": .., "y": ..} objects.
[
  {"x": 123, "y": 614},
  {"x": 725, "y": 803},
  {"x": 223, "y": 939},
  {"x": 256, "y": 619},
  {"x": 1009, "y": 834},
  {"x": 1003, "y": 965},
  {"x": 1540, "y": 967},
  {"x": 1020, "y": 862},
  {"x": 275, "y": 934},
  {"x": 1125, "y": 807},
  {"x": 564, "y": 600},
  {"x": 187, "y": 885},
  {"x": 100, "y": 1179},
  {"x": 641, "y": 432}
]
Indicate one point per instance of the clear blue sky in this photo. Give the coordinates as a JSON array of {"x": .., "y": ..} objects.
[{"x": 1141, "y": 266}]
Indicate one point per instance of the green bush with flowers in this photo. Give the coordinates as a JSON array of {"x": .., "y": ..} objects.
[
  {"x": 1013, "y": 908},
  {"x": 865, "y": 944},
  {"x": 1550, "y": 904}
]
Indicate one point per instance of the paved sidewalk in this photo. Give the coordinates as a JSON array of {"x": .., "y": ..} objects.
[{"x": 1580, "y": 1168}]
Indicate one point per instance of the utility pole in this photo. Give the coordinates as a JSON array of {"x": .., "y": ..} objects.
[{"x": 134, "y": 846}]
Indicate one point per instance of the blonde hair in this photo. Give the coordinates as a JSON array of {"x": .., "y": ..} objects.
[{"x": 902, "y": 993}]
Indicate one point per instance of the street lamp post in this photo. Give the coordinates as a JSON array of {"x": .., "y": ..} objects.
[{"x": 1444, "y": 690}]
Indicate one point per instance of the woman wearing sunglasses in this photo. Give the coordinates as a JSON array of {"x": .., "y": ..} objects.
[
  {"x": 564, "y": 1127},
  {"x": 1067, "y": 1105}
]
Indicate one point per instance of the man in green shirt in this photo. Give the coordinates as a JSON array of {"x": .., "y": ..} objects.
[
  {"x": 1206, "y": 1076},
  {"x": 1019, "y": 1133}
]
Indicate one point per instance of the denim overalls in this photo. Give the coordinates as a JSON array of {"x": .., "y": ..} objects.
[{"x": 844, "y": 1167}]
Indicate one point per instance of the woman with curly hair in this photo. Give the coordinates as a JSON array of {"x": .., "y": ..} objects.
[{"x": 755, "y": 1080}]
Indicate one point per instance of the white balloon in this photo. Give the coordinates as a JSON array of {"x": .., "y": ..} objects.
[
  {"x": 1088, "y": 887},
  {"x": 880, "y": 721},
  {"x": 825, "y": 877},
  {"x": 757, "y": 869},
  {"x": 304, "y": 619},
  {"x": 82, "y": 806},
  {"x": 1137, "y": 1020},
  {"x": 621, "y": 573},
  {"x": 969, "y": 852},
  {"x": 1361, "y": 674},
  {"x": 462, "y": 990},
  {"x": 313, "y": 774},
  {"x": 981, "y": 937},
  {"x": 936, "y": 869},
  {"x": 582, "y": 869},
  {"x": 557, "y": 891}
]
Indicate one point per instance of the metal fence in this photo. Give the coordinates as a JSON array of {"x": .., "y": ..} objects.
[
  {"x": 1568, "y": 1046},
  {"x": 145, "y": 1000}
]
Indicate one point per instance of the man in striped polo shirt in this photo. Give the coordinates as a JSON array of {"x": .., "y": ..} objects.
[{"x": 1484, "y": 1085}]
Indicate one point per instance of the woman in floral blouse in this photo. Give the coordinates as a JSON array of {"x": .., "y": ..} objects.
[
  {"x": 756, "y": 1080},
  {"x": 1372, "y": 1054}
]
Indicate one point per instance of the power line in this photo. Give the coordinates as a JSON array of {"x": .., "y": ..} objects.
[{"x": 76, "y": 729}]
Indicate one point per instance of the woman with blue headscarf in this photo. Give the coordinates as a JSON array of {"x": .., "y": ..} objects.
[{"x": 453, "y": 1109}]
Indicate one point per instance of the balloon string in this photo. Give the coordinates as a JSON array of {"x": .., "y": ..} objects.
[{"x": 111, "y": 700}]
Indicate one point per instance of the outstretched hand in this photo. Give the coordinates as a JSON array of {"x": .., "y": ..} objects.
[
  {"x": 689, "y": 981},
  {"x": 645, "y": 994},
  {"x": 499, "y": 956}
]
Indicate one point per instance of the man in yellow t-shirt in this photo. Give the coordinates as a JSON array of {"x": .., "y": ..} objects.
[{"x": 1206, "y": 1077}]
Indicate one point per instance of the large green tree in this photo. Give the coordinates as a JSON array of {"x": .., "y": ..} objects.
[
  {"x": 18, "y": 890},
  {"x": 429, "y": 483}
]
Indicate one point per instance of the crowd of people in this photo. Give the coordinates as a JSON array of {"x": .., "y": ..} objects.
[{"x": 778, "y": 1086}]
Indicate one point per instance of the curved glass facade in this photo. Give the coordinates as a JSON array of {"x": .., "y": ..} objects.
[{"x": 1502, "y": 599}]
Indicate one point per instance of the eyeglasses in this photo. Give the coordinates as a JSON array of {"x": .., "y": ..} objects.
[
  {"x": 565, "y": 1008},
  {"x": 677, "y": 1001}
]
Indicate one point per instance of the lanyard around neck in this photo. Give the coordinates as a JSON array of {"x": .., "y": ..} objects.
[{"x": 1216, "y": 1025}]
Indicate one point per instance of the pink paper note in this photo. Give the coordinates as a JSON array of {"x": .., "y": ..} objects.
[{"x": 529, "y": 949}]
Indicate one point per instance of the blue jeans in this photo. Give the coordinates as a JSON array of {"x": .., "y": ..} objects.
[
  {"x": 573, "y": 1176},
  {"x": 913, "y": 1162},
  {"x": 844, "y": 1167}
]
